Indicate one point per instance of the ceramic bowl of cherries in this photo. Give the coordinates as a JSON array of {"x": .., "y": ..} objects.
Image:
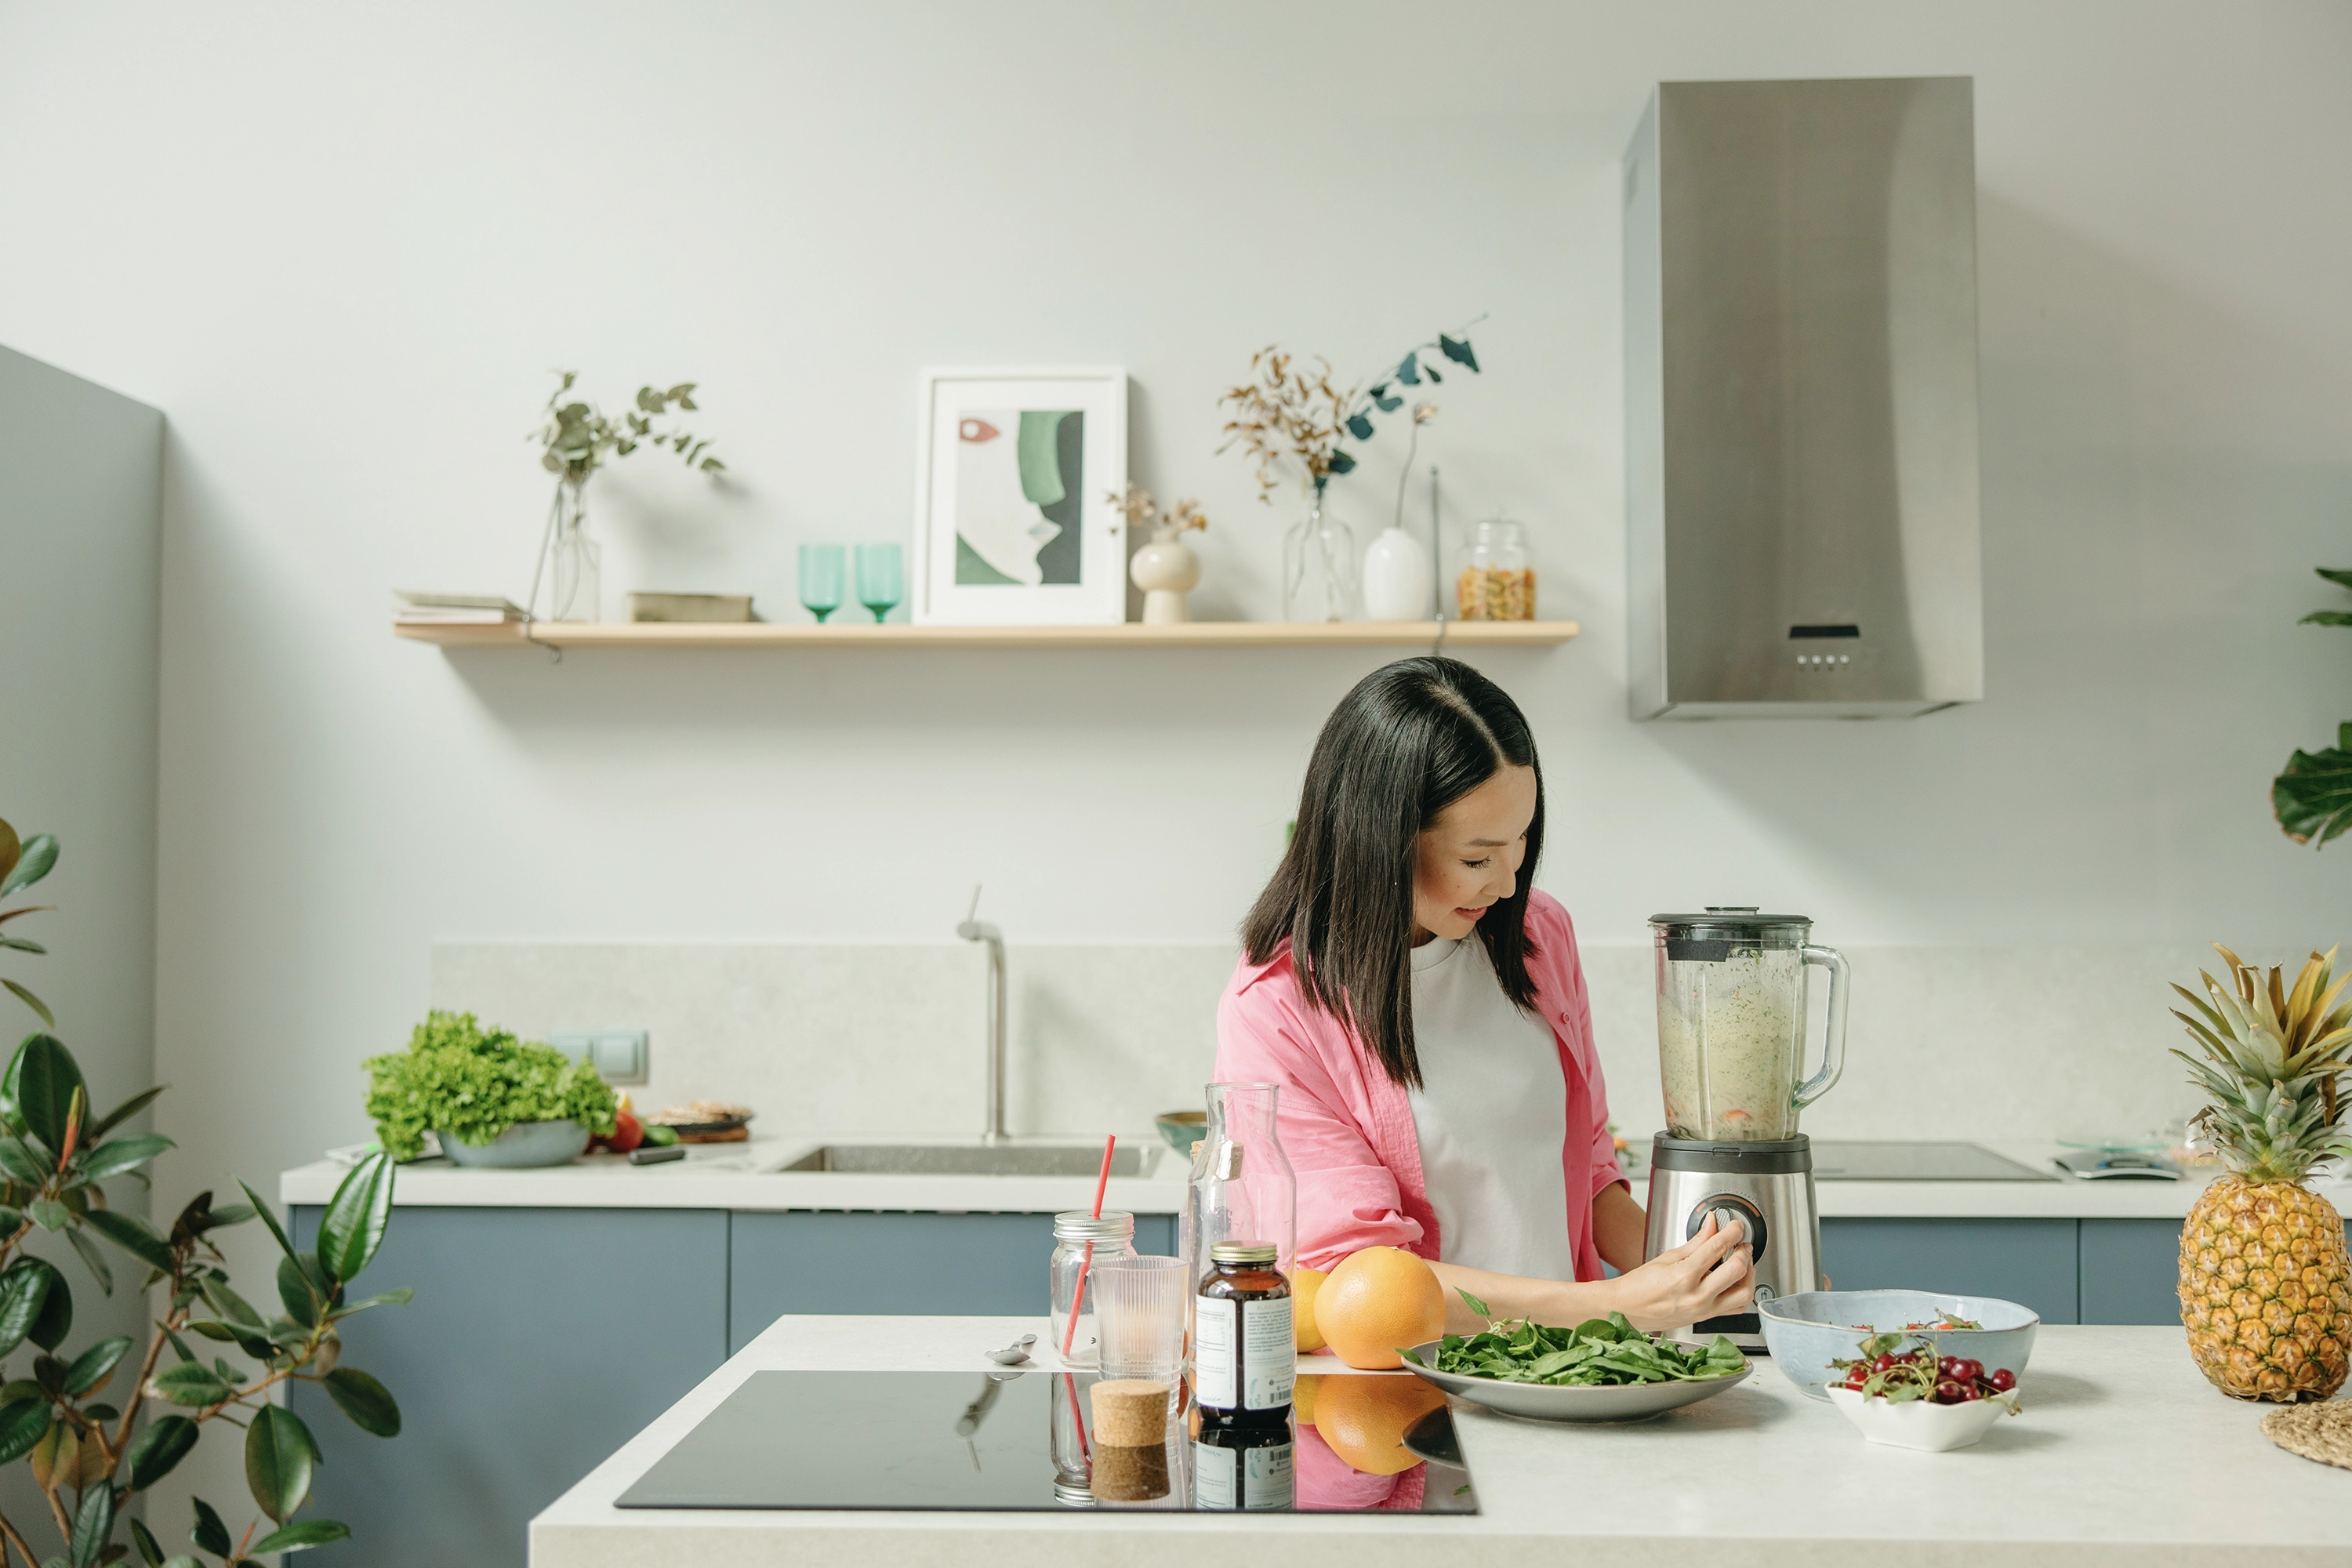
[{"x": 1906, "y": 1394}]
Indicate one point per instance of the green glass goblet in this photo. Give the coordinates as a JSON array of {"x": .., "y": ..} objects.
[
  {"x": 881, "y": 579},
  {"x": 820, "y": 579}
]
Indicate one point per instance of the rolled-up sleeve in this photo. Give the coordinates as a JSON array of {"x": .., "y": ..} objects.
[{"x": 1347, "y": 1199}]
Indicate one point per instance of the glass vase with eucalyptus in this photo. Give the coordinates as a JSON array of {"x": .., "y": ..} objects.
[
  {"x": 1318, "y": 567},
  {"x": 574, "y": 562}
]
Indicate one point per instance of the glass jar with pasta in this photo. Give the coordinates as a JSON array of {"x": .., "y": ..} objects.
[{"x": 1496, "y": 583}]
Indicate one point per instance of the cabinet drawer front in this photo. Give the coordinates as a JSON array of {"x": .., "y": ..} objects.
[{"x": 2029, "y": 1261}]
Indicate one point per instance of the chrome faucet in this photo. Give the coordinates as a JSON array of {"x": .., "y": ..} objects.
[{"x": 972, "y": 930}]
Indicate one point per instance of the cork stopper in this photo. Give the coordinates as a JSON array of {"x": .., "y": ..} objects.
[
  {"x": 1130, "y": 1412},
  {"x": 1130, "y": 1475}
]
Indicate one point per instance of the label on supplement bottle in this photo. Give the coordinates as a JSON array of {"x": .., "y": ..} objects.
[
  {"x": 1244, "y": 1353},
  {"x": 1233, "y": 1480}
]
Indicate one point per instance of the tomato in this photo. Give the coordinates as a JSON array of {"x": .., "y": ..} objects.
[{"x": 627, "y": 1132}]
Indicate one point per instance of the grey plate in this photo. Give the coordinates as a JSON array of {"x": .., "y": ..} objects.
[{"x": 1541, "y": 1401}]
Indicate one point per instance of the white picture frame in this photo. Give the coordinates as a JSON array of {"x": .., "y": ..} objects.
[{"x": 988, "y": 550}]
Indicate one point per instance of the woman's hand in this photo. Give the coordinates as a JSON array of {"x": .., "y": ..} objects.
[{"x": 1706, "y": 1276}]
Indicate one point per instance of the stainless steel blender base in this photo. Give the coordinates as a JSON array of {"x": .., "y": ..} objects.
[{"x": 1768, "y": 1187}]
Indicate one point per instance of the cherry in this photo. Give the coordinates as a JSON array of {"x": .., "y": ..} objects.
[
  {"x": 1971, "y": 1391},
  {"x": 1946, "y": 1365},
  {"x": 2002, "y": 1380},
  {"x": 1968, "y": 1370},
  {"x": 1949, "y": 1393},
  {"x": 1883, "y": 1363}
]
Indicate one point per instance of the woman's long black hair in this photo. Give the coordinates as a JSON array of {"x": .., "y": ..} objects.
[{"x": 1409, "y": 740}]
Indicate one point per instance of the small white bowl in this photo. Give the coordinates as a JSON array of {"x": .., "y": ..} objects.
[{"x": 1919, "y": 1422}]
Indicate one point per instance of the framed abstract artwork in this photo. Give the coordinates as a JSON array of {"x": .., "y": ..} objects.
[{"x": 1013, "y": 522}]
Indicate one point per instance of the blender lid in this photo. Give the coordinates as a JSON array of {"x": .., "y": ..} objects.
[{"x": 1734, "y": 917}]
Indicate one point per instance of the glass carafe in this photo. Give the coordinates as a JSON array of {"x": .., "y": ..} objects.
[
  {"x": 1731, "y": 1022},
  {"x": 1242, "y": 1186}
]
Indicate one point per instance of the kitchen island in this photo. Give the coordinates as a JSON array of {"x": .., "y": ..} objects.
[
  {"x": 2124, "y": 1455},
  {"x": 654, "y": 1276}
]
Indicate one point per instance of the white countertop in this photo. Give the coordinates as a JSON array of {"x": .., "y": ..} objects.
[
  {"x": 2124, "y": 1455},
  {"x": 749, "y": 1177}
]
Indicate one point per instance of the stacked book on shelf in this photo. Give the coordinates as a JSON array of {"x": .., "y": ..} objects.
[{"x": 455, "y": 610}]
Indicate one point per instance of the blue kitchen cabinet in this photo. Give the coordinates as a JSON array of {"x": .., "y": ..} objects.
[
  {"x": 955, "y": 1265},
  {"x": 2030, "y": 1261},
  {"x": 539, "y": 1341},
  {"x": 2131, "y": 1270}
]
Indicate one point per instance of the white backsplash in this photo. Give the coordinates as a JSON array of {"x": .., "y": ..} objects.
[{"x": 1995, "y": 1043}]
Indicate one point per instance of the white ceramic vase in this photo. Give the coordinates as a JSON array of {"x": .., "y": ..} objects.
[
  {"x": 1166, "y": 570},
  {"x": 1397, "y": 578}
]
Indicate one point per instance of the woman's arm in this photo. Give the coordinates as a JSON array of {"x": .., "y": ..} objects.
[
  {"x": 1619, "y": 1229},
  {"x": 1705, "y": 1276}
]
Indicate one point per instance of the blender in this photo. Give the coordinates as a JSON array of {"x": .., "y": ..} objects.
[{"x": 1731, "y": 1047}]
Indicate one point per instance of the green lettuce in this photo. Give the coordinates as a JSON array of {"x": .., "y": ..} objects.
[{"x": 463, "y": 1081}]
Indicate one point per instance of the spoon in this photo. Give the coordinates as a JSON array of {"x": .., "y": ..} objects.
[{"x": 1014, "y": 1354}]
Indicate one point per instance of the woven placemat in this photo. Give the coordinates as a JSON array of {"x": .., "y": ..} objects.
[{"x": 2322, "y": 1432}]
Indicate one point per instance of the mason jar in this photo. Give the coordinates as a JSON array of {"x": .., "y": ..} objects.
[
  {"x": 1495, "y": 583},
  {"x": 1081, "y": 1241}
]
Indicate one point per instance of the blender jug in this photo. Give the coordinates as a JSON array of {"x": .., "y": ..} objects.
[{"x": 1731, "y": 1022}]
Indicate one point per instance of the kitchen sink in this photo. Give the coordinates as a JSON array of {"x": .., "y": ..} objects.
[{"x": 966, "y": 1160}]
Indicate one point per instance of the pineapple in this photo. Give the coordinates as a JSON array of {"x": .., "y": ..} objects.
[{"x": 2265, "y": 1282}]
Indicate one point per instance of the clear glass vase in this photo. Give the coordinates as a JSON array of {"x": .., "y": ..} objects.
[
  {"x": 577, "y": 587},
  {"x": 1319, "y": 568}
]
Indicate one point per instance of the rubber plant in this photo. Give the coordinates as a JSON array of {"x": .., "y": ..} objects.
[
  {"x": 92, "y": 1456},
  {"x": 2313, "y": 798}
]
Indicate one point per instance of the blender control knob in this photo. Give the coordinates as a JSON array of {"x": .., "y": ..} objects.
[{"x": 1727, "y": 1207}]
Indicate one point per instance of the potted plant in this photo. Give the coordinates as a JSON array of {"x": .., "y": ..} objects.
[
  {"x": 491, "y": 1098},
  {"x": 1166, "y": 569},
  {"x": 76, "y": 1418},
  {"x": 2313, "y": 798}
]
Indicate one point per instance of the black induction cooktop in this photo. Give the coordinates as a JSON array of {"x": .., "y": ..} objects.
[{"x": 1011, "y": 1440}]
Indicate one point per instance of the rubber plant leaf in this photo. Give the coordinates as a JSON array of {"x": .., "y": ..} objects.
[
  {"x": 41, "y": 1083},
  {"x": 55, "y": 1320},
  {"x": 277, "y": 1458},
  {"x": 35, "y": 1003},
  {"x": 93, "y": 1522},
  {"x": 210, "y": 1534},
  {"x": 135, "y": 1236},
  {"x": 158, "y": 1450},
  {"x": 353, "y": 1225},
  {"x": 124, "y": 1154},
  {"x": 368, "y": 1403},
  {"x": 301, "y": 1533},
  {"x": 33, "y": 861},
  {"x": 2313, "y": 799},
  {"x": 123, "y": 1112}
]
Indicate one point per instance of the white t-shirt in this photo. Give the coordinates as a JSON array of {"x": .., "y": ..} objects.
[{"x": 1492, "y": 1116}]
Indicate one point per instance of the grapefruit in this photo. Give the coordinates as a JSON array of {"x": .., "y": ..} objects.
[
  {"x": 1304, "y": 1283},
  {"x": 1377, "y": 1303},
  {"x": 1302, "y": 1396},
  {"x": 1363, "y": 1418}
]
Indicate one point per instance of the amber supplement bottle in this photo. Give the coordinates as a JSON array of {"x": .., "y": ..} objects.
[
  {"x": 1243, "y": 1350},
  {"x": 1243, "y": 1466}
]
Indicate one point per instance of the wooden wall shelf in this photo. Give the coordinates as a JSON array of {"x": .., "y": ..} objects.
[{"x": 1191, "y": 633}]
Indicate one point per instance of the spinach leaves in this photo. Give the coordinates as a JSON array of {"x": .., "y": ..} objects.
[{"x": 1595, "y": 1353}]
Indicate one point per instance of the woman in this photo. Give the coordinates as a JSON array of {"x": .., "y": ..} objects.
[{"x": 1422, "y": 1010}]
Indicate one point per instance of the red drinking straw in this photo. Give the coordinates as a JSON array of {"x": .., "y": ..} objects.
[{"x": 1070, "y": 1330}]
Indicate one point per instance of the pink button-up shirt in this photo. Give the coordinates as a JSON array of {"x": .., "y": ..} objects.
[{"x": 1348, "y": 1127}]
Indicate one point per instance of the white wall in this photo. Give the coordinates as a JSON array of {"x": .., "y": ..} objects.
[
  {"x": 80, "y": 502},
  {"x": 342, "y": 246}
]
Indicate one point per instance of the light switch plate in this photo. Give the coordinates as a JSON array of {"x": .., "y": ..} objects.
[{"x": 619, "y": 1056}]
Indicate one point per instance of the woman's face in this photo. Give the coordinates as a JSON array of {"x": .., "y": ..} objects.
[{"x": 1470, "y": 856}]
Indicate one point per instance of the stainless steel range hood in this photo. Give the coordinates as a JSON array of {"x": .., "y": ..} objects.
[{"x": 1801, "y": 379}]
